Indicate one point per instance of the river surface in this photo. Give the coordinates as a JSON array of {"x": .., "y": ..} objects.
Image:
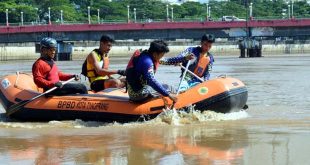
[{"x": 275, "y": 130}]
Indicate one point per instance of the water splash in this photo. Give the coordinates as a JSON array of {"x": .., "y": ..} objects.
[{"x": 191, "y": 116}]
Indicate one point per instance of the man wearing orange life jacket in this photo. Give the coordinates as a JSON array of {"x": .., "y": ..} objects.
[
  {"x": 96, "y": 67},
  {"x": 201, "y": 65},
  {"x": 46, "y": 74}
]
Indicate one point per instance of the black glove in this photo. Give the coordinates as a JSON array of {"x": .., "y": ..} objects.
[
  {"x": 76, "y": 77},
  {"x": 121, "y": 72},
  {"x": 58, "y": 84}
]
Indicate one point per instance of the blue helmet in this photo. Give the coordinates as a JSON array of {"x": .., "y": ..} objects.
[{"x": 48, "y": 42}]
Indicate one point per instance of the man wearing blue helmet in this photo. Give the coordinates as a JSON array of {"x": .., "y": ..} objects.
[{"x": 46, "y": 74}]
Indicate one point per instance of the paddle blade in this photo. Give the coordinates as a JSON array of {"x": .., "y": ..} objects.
[{"x": 15, "y": 107}]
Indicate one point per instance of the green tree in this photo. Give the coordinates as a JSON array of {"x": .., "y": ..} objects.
[
  {"x": 193, "y": 10},
  {"x": 69, "y": 11},
  {"x": 301, "y": 9},
  {"x": 109, "y": 10}
]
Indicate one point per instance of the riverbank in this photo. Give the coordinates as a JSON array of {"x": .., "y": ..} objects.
[{"x": 27, "y": 51}]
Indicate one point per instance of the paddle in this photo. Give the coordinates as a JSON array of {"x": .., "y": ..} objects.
[
  {"x": 183, "y": 76},
  {"x": 12, "y": 109}
]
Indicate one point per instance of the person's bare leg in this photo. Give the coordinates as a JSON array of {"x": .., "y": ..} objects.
[{"x": 113, "y": 83}]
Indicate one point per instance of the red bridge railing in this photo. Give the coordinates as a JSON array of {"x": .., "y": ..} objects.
[{"x": 153, "y": 26}]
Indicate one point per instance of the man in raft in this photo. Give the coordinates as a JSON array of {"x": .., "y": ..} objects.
[
  {"x": 141, "y": 83},
  {"x": 202, "y": 63},
  {"x": 46, "y": 74},
  {"x": 96, "y": 67}
]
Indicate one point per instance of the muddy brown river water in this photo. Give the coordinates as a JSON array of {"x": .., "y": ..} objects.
[{"x": 275, "y": 130}]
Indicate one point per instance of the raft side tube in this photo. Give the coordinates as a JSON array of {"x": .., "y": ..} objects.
[{"x": 226, "y": 102}]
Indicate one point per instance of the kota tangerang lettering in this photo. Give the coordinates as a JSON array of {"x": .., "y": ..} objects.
[{"x": 82, "y": 105}]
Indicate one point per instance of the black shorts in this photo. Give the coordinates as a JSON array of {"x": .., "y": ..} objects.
[
  {"x": 97, "y": 85},
  {"x": 70, "y": 88},
  {"x": 149, "y": 93}
]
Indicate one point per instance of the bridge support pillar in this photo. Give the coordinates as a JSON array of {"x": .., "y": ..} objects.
[{"x": 250, "y": 48}]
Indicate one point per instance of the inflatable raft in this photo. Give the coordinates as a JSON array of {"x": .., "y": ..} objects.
[{"x": 222, "y": 94}]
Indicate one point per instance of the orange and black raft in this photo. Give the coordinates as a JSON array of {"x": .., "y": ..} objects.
[{"x": 222, "y": 94}]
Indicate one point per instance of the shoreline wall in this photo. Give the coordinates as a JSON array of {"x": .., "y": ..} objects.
[{"x": 26, "y": 51}]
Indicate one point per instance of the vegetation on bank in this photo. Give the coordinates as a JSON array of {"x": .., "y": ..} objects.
[{"x": 146, "y": 10}]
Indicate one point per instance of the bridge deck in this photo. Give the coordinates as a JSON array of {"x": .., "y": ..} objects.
[{"x": 153, "y": 26}]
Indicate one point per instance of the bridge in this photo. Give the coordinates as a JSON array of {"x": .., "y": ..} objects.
[{"x": 296, "y": 28}]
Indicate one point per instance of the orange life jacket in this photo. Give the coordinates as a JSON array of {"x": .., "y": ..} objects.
[{"x": 201, "y": 65}]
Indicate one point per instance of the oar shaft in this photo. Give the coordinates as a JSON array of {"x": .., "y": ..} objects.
[
  {"x": 17, "y": 106},
  {"x": 193, "y": 74},
  {"x": 51, "y": 90},
  {"x": 183, "y": 76}
]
